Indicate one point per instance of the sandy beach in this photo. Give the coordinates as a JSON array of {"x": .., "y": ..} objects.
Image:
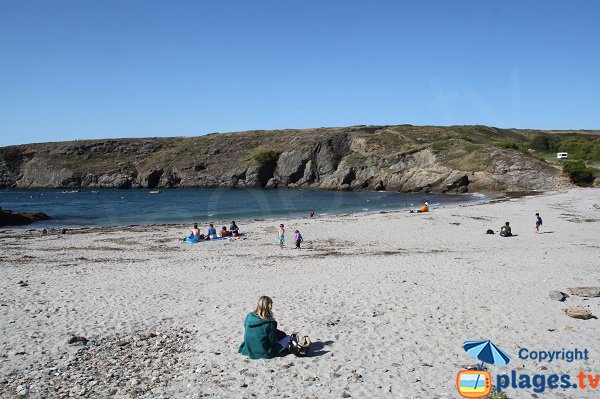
[{"x": 388, "y": 299}]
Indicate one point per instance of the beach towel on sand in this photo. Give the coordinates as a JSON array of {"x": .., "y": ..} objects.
[{"x": 192, "y": 239}]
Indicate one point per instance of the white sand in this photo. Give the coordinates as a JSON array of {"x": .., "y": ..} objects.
[{"x": 391, "y": 297}]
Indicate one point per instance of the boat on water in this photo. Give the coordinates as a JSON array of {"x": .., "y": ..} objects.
[
  {"x": 71, "y": 191},
  {"x": 154, "y": 192},
  {"x": 95, "y": 192}
]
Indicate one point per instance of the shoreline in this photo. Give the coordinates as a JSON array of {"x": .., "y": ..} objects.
[{"x": 476, "y": 198}]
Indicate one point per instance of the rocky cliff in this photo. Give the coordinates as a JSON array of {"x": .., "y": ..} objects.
[{"x": 399, "y": 158}]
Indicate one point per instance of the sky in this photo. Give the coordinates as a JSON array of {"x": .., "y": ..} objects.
[{"x": 85, "y": 69}]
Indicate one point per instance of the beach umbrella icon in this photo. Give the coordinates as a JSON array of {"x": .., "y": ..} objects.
[{"x": 486, "y": 352}]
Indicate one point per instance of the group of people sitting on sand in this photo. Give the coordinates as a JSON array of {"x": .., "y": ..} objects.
[{"x": 212, "y": 233}]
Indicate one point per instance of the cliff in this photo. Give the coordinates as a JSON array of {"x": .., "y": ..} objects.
[{"x": 399, "y": 158}]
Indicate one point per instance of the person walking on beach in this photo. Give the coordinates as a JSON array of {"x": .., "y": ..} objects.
[
  {"x": 538, "y": 223},
  {"x": 281, "y": 236},
  {"x": 298, "y": 238}
]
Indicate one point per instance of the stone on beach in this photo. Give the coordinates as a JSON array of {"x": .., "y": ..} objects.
[
  {"x": 76, "y": 339},
  {"x": 577, "y": 312},
  {"x": 558, "y": 296},
  {"x": 586, "y": 292}
]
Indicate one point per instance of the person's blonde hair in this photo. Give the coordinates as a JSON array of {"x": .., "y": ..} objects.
[{"x": 264, "y": 309}]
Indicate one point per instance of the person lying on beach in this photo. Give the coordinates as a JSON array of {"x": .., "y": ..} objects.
[
  {"x": 424, "y": 208},
  {"x": 281, "y": 236},
  {"x": 506, "y": 231},
  {"x": 234, "y": 229},
  {"x": 262, "y": 339},
  {"x": 212, "y": 232}
]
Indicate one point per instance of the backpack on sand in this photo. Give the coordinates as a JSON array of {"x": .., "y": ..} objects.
[{"x": 299, "y": 347}]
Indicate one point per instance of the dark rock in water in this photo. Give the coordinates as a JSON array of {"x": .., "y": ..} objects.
[
  {"x": 558, "y": 296},
  {"x": 10, "y": 218},
  {"x": 587, "y": 292}
]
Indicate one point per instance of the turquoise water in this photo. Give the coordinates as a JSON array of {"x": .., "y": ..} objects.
[{"x": 127, "y": 207}]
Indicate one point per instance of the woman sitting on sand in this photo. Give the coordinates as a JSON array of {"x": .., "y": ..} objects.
[
  {"x": 262, "y": 339},
  {"x": 224, "y": 232}
]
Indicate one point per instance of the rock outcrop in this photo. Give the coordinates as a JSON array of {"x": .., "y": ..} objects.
[
  {"x": 9, "y": 218},
  {"x": 404, "y": 158}
]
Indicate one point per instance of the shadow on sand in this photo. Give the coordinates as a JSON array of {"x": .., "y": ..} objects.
[{"x": 317, "y": 348}]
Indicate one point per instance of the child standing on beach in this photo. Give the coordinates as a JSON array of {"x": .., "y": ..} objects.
[
  {"x": 538, "y": 223},
  {"x": 281, "y": 236},
  {"x": 298, "y": 238}
]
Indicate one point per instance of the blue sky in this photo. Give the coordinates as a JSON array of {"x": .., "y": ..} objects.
[{"x": 95, "y": 69}]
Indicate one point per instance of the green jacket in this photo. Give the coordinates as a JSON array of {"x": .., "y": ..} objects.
[{"x": 260, "y": 338}]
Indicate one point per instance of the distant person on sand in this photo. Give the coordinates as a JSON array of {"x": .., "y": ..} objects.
[
  {"x": 538, "y": 223},
  {"x": 505, "y": 231},
  {"x": 262, "y": 339},
  {"x": 224, "y": 232},
  {"x": 424, "y": 208},
  {"x": 234, "y": 229},
  {"x": 195, "y": 235},
  {"x": 298, "y": 238},
  {"x": 281, "y": 236},
  {"x": 212, "y": 232}
]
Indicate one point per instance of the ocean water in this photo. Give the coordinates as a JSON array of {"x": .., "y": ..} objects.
[{"x": 139, "y": 207}]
